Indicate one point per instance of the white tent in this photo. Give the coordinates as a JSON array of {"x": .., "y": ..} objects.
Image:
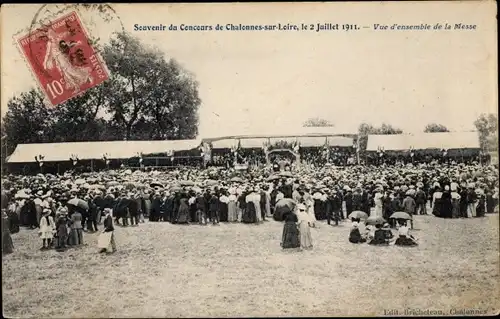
[
  {"x": 55, "y": 152},
  {"x": 424, "y": 141}
]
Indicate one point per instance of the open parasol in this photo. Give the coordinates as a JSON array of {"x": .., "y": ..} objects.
[
  {"x": 156, "y": 184},
  {"x": 401, "y": 215},
  {"x": 176, "y": 188},
  {"x": 112, "y": 183},
  {"x": 77, "y": 202},
  {"x": 358, "y": 214},
  {"x": 286, "y": 174},
  {"x": 211, "y": 182},
  {"x": 186, "y": 183},
  {"x": 236, "y": 179},
  {"x": 130, "y": 185},
  {"x": 272, "y": 178},
  {"x": 375, "y": 220},
  {"x": 97, "y": 186},
  {"x": 21, "y": 195},
  {"x": 92, "y": 180}
]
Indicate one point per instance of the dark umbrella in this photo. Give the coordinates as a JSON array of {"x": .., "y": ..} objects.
[
  {"x": 358, "y": 214},
  {"x": 209, "y": 182},
  {"x": 175, "y": 188},
  {"x": 78, "y": 203},
  {"x": 401, "y": 215},
  {"x": 283, "y": 206},
  {"x": 130, "y": 185},
  {"x": 272, "y": 178},
  {"x": 156, "y": 184},
  {"x": 112, "y": 184},
  {"x": 186, "y": 183},
  {"x": 236, "y": 180},
  {"x": 286, "y": 174},
  {"x": 375, "y": 220}
]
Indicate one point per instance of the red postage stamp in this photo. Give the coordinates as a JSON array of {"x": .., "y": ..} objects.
[{"x": 62, "y": 58}]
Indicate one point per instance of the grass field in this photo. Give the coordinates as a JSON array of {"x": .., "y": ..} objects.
[{"x": 164, "y": 270}]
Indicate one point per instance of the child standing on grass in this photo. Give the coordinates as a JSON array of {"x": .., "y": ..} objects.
[
  {"x": 62, "y": 231},
  {"x": 47, "y": 228}
]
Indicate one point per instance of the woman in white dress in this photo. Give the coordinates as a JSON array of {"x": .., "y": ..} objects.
[
  {"x": 310, "y": 212},
  {"x": 304, "y": 227},
  {"x": 378, "y": 212},
  {"x": 47, "y": 228},
  {"x": 232, "y": 214}
]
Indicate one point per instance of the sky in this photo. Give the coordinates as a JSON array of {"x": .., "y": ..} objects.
[{"x": 255, "y": 82}]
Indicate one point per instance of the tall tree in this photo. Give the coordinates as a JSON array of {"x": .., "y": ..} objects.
[
  {"x": 129, "y": 63},
  {"x": 487, "y": 127},
  {"x": 435, "y": 128},
  {"x": 78, "y": 118},
  {"x": 27, "y": 120},
  {"x": 387, "y": 129},
  {"x": 150, "y": 97},
  {"x": 317, "y": 122},
  {"x": 173, "y": 106}
]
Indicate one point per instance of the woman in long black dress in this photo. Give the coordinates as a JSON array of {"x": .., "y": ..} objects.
[
  {"x": 290, "y": 238},
  {"x": 7, "y": 245},
  {"x": 183, "y": 212},
  {"x": 380, "y": 237},
  {"x": 223, "y": 200},
  {"x": 446, "y": 204},
  {"x": 355, "y": 236},
  {"x": 250, "y": 212}
]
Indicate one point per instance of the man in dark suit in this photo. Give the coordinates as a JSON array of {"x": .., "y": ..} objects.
[
  {"x": 92, "y": 220},
  {"x": 421, "y": 200},
  {"x": 155, "y": 208},
  {"x": 337, "y": 205},
  {"x": 263, "y": 201},
  {"x": 133, "y": 208},
  {"x": 121, "y": 209}
]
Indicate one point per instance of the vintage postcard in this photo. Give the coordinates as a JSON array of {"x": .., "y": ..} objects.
[{"x": 249, "y": 159}]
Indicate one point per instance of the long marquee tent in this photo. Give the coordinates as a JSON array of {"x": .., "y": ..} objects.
[
  {"x": 424, "y": 141},
  {"x": 57, "y": 152}
]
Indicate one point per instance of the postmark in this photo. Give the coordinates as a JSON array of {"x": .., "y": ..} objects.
[{"x": 62, "y": 59}]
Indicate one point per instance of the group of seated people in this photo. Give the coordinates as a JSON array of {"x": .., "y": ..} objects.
[{"x": 380, "y": 234}]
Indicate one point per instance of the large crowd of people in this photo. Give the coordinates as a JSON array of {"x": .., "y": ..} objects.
[{"x": 62, "y": 208}]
